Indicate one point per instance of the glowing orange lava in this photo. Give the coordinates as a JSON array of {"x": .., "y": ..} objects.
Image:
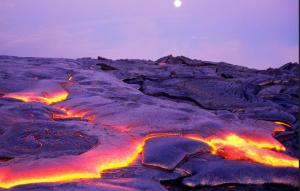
[
  {"x": 45, "y": 98},
  {"x": 230, "y": 145},
  {"x": 282, "y": 123},
  {"x": 93, "y": 163},
  {"x": 235, "y": 147},
  {"x": 69, "y": 114},
  {"x": 279, "y": 129},
  {"x": 86, "y": 166}
]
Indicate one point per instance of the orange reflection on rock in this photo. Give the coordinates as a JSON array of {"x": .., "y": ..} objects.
[
  {"x": 43, "y": 97},
  {"x": 235, "y": 147}
]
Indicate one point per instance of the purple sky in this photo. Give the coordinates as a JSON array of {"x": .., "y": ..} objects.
[{"x": 253, "y": 33}]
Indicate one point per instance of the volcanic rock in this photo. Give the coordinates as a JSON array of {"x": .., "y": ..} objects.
[
  {"x": 103, "y": 185},
  {"x": 220, "y": 172},
  {"x": 65, "y": 122},
  {"x": 168, "y": 152}
]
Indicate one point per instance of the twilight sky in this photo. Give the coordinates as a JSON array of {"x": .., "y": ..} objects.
[{"x": 252, "y": 33}]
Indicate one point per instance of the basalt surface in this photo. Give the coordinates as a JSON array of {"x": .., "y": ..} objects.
[{"x": 171, "y": 124}]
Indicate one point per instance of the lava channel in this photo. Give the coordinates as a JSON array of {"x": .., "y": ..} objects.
[{"x": 70, "y": 168}]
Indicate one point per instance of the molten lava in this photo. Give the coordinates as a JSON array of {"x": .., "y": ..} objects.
[
  {"x": 86, "y": 166},
  {"x": 235, "y": 147},
  {"x": 93, "y": 163},
  {"x": 44, "y": 97},
  {"x": 70, "y": 114},
  {"x": 281, "y": 127},
  {"x": 44, "y": 91},
  {"x": 230, "y": 145},
  {"x": 278, "y": 130},
  {"x": 282, "y": 123}
]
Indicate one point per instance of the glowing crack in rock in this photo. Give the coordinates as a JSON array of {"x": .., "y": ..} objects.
[
  {"x": 71, "y": 113},
  {"x": 282, "y": 123},
  {"x": 281, "y": 127},
  {"x": 278, "y": 129}
]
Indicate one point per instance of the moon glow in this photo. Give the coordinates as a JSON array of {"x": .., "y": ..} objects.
[{"x": 177, "y": 3}]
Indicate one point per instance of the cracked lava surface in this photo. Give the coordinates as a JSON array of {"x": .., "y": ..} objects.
[{"x": 123, "y": 127}]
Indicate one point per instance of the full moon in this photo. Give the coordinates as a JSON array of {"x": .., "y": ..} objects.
[{"x": 177, "y": 3}]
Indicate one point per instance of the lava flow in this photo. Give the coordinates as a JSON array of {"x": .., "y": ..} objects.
[
  {"x": 72, "y": 114},
  {"x": 125, "y": 151},
  {"x": 235, "y": 147},
  {"x": 282, "y": 123},
  {"x": 72, "y": 168},
  {"x": 281, "y": 127},
  {"x": 54, "y": 93},
  {"x": 44, "y": 98},
  {"x": 93, "y": 163}
]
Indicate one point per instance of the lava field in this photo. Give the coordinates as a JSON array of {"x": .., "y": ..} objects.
[{"x": 130, "y": 125}]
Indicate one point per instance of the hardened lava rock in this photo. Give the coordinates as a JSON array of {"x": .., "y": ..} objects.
[
  {"x": 168, "y": 152},
  {"x": 116, "y": 125}
]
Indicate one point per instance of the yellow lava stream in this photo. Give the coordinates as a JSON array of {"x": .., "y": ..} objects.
[
  {"x": 83, "y": 167},
  {"x": 45, "y": 98},
  {"x": 236, "y": 147}
]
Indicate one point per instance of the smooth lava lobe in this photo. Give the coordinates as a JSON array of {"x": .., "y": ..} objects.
[{"x": 232, "y": 146}]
